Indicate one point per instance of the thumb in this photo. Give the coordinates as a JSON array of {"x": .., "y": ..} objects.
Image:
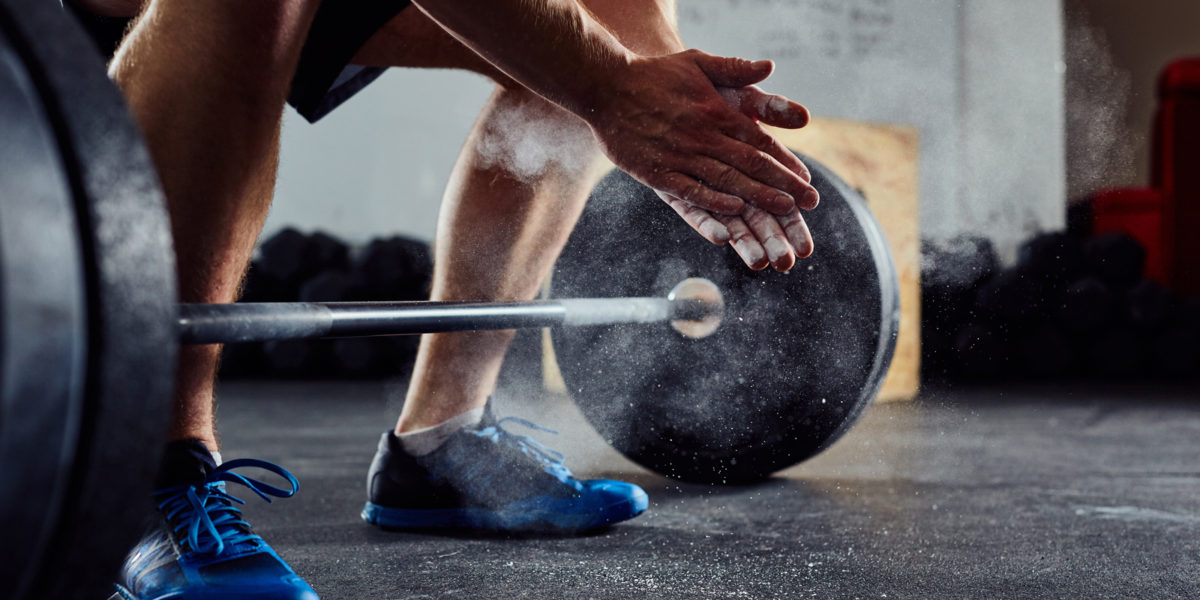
[{"x": 733, "y": 72}]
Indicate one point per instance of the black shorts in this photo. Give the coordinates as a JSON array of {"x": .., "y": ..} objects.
[{"x": 324, "y": 78}]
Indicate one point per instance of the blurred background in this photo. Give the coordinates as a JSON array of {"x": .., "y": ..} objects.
[{"x": 1057, "y": 177}]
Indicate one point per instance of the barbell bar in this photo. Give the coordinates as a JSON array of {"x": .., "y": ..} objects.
[{"x": 694, "y": 308}]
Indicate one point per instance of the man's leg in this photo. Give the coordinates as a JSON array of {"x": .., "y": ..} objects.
[
  {"x": 499, "y": 231},
  {"x": 207, "y": 83},
  {"x": 514, "y": 196}
]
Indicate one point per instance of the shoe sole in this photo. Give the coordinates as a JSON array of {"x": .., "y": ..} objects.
[
  {"x": 122, "y": 593},
  {"x": 541, "y": 514}
]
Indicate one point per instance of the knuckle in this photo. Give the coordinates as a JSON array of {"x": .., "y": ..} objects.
[
  {"x": 766, "y": 141},
  {"x": 791, "y": 222},
  {"x": 692, "y": 192},
  {"x": 762, "y": 140},
  {"x": 758, "y": 162},
  {"x": 726, "y": 177},
  {"x": 742, "y": 235}
]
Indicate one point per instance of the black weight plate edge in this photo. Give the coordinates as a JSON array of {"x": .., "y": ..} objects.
[
  {"x": 44, "y": 335},
  {"x": 129, "y": 267},
  {"x": 885, "y": 266}
]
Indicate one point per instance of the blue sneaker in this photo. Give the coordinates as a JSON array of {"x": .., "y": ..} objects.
[
  {"x": 202, "y": 549},
  {"x": 491, "y": 479}
]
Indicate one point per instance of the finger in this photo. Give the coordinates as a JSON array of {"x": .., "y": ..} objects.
[
  {"x": 760, "y": 167},
  {"x": 770, "y": 234},
  {"x": 725, "y": 178},
  {"x": 691, "y": 191},
  {"x": 701, "y": 220},
  {"x": 772, "y": 109},
  {"x": 732, "y": 72},
  {"x": 741, "y": 128},
  {"x": 797, "y": 233},
  {"x": 744, "y": 242}
]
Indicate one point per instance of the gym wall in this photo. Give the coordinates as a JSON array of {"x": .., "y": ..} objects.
[
  {"x": 981, "y": 82},
  {"x": 1115, "y": 52}
]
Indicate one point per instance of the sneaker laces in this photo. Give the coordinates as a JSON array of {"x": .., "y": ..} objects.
[
  {"x": 209, "y": 514},
  {"x": 550, "y": 459}
]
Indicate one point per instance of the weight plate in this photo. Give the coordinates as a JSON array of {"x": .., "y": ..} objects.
[
  {"x": 796, "y": 360},
  {"x": 129, "y": 287},
  {"x": 43, "y": 328}
]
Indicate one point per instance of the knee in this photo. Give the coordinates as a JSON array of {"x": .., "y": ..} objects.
[
  {"x": 517, "y": 108},
  {"x": 529, "y": 137}
]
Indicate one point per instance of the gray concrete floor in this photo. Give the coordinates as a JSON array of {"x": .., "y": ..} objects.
[{"x": 966, "y": 493}]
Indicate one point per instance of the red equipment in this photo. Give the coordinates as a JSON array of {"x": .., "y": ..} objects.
[{"x": 1166, "y": 217}]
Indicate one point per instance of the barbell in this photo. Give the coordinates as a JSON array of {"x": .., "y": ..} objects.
[
  {"x": 761, "y": 370},
  {"x": 693, "y": 307}
]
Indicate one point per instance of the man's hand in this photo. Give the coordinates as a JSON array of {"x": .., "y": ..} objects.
[
  {"x": 664, "y": 122},
  {"x": 759, "y": 238},
  {"x": 701, "y": 148}
]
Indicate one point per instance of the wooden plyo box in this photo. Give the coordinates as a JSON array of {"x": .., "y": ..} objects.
[{"x": 881, "y": 162}]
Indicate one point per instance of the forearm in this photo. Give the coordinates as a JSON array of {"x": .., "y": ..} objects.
[{"x": 554, "y": 47}]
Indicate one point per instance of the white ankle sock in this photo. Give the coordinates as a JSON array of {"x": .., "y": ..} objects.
[{"x": 424, "y": 441}]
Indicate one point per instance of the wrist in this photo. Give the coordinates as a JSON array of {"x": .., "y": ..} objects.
[{"x": 594, "y": 98}]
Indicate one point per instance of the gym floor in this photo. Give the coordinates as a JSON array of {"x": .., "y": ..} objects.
[{"x": 1030, "y": 492}]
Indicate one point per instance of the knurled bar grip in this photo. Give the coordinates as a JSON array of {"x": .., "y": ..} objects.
[{"x": 259, "y": 322}]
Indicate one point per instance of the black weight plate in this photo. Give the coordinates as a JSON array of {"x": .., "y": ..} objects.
[
  {"x": 43, "y": 328},
  {"x": 129, "y": 284},
  {"x": 796, "y": 360}
]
